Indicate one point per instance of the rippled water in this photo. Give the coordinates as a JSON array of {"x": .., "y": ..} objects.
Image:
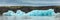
[{"x": 31, "y": 18}]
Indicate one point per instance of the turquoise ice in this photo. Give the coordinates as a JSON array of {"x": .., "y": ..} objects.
[
  {"x": 49, "y": 12},
  {"x": 20, "y": 13},
  {"x": 43, "y": 12},
  {"x": 33, "y": 13},
  {"x": 9, "y": 13}
]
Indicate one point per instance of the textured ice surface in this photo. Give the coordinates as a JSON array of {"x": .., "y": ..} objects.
[
  {"x": 20, "y": 13},
  {"x": 49, "y": 12},
  {"x": 57, "y": 15},
  {"x": 33, "y": 15},
  {"x": 9, "y": 13}
]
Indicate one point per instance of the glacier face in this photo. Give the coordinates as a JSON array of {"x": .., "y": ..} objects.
[{"x": 30, "y": 2}]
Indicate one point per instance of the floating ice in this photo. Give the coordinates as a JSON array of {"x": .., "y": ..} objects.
[
  {"x": 57, "y": 15},
  {"x": 20, "y": 13},
  {"x": 9, "y": 13},
  {"x": 49, "y": 12},
  {"x": 33, "y": 13},
  {"x": 42, "y": 13}
]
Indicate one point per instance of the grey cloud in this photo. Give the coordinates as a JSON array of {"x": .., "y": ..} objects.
[{"x": 30, "y": 2}]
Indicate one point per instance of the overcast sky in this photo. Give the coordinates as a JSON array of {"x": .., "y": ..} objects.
[{"x": 29, "y": 2}]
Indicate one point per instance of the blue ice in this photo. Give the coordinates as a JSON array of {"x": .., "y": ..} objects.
[
  {"x": 9, "y": 13},
  {"x": 33, "y": 13},
  {"x": 20, "y": 13},
  {"x": 49, "y": 12}
]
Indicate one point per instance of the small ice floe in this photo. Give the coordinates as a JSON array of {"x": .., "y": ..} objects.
[
  {"x": 20, "y": 13},
  {"x": 9, "y": 13}
]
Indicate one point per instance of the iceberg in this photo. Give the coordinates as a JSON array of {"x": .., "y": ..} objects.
[
  {"x": 33, "y": 13},
  {"x": 9, "y": 13},
  {"x": 49, "y": 12},
  {"x": 43, "y": 12},
  {"x": 20, "y": 13}
]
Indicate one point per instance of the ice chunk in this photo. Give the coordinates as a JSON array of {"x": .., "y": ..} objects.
[
  {"x": 33, "y": 13},
  {"x": 20, "y": 13},
  {"x": 5, "y": 14},
  {"x": 57, "y": 15},
  {"x": 42, "y": 12},
  {"x": 38, "y": 13},
  {"x": 49, "y": 12},
  {"x": 51, "y": 9},
  {"x": 9, "y": 13}
]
